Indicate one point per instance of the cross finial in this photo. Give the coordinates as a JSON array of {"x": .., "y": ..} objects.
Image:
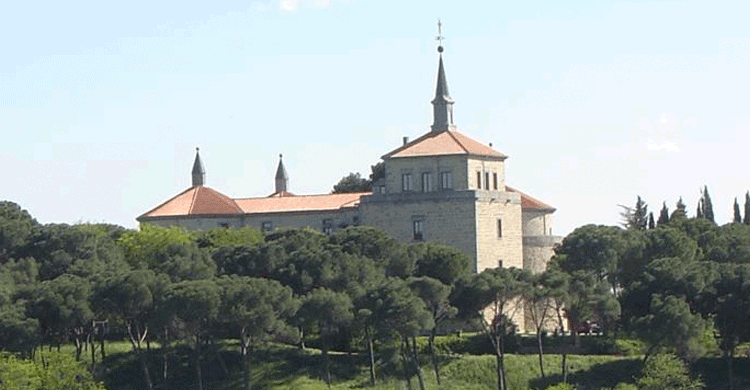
[{"x": 440, "y": 36}]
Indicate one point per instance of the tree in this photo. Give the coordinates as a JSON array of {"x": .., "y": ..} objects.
[
  {"x": 539, "y": 306},
  {"x": 255, "y": 309},
  {"x": 651, "y": 223},
  {"x": 441, "y": 262},
  {"x": 680, "y": 211},
  {"x": 705, "y": 207},
  {"x": 217, "y": 238},
  {"x": 596, "y": 249},
  {"x": 737, "y": 214},
  {"x": 325, "y": 311},
  {"x": 435, "y": 295},
  {"x": 746, "y": 219},
  {"x": 16, "y": 225},
  {"x": 492, "y": 299},
  {"x": 375, "y": 244},
  {"x": 670, "y": 324},
  {"x": 132, "y": 297},
  {"x": 195, "y": 304},
  {"x": 56, "y": 371},
  {"x": 353, "y": 182},
  {"x": 663, "y": 215},
  {"x": 636, "y": 217}
]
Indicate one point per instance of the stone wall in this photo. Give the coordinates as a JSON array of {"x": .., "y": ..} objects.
[
  {"x": 395, "y": 167},
  {"x": 497, "y": 210}
]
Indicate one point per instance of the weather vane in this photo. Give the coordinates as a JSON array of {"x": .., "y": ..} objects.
[{"x": 440, "y": 36}]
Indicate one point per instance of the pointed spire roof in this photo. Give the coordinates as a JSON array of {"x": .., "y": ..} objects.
[
  {"x": 442, "y": 104},
  {"x": 199, "y": 172},
  {"x": 280, "y": 170}
]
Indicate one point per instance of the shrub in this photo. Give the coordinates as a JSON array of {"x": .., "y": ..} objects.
[
  {"x": 667, "y": 372},
  {"x": 561, "y": 386}
]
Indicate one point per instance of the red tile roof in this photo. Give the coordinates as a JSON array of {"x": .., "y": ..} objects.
[
  {"x": 530, "y": 203},
  {"x": 198, "y": 200},
  {"x": 444, "y": 143},
  {"x": 299, "y": 203}
]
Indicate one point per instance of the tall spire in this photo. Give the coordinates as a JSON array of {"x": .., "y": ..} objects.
[
  {"x": 442, "y": 104},
  {"x": 281, "y": 177},
  {"x": 199, "y": 173}
]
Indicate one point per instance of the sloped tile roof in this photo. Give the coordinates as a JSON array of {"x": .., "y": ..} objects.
[
  {"x": 444, "y": 143},
  {"x": 197, "y": 200},
  {"x": 290, "y": 203},
  {"x": 530, "y": 203}
]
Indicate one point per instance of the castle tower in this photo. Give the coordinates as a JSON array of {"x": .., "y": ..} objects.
[
  {"x": 199, "y": 173},
  {"x": 282, "y": 179}
]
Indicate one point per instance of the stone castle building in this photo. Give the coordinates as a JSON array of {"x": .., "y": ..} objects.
[{"x": 443, "y": 187}]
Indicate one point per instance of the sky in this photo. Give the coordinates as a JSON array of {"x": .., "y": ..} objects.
[{"x": 595, "y": 102}]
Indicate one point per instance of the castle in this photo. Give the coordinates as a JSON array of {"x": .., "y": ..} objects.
[{"x": 443, "y": 187}]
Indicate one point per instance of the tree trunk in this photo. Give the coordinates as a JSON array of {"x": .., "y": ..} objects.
[
  {"x": 198, "y": 373},
  {"x": 371, "y": 352},
  {"x": 326, "y": 364},
  {"x": 135, "y": 342},
  {"x": 165, "y": 356},
  {"x": 564, "y": 366},
  {"x": 433, "y": 355},
  {"x": 405, "y": 358},
  {"x": 101, "y": 342},
  {"x": 500, "y": 353},
  {"x": 415, "y": 360},
  {"x": 541, "y": 351},
  {"x": 730, "y": 368},
  {"x": 244, "y": 345}
]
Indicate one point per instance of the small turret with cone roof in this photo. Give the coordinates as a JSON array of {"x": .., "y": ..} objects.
[
  {"x": 199, "y": 173},
  {"x": 282, "y": 179},
  {"x": 442, "y": 104}
]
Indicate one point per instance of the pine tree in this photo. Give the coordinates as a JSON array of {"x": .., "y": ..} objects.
[
  {"x": 663, "y": 215},
  {"x": 746, "y": 221},
  {"x": 651, "y": 224},
  {"x": 635, "y": 218},
  {"x": 737, "y": 215},
  {"x": 680, "y": 211},
  {"x": 708, "y": 208}
]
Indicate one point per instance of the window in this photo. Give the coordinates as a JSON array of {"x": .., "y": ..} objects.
[
  {"x": 223, "y": 225},
  {"x": 479, "y": 180},
  {"x": 355, "y": 220},
  {"x": 486, "y": 180},
  {"x": 499, "y": 228},
  {"x": 327, "y": 226},
  {"x": 266, "y": 226},
  {"x": 406, "y": 182},
  {"x": 446, "y": 180},
  {"x": 494, "y": 180},
  {"x": 499, "y": 264},
  {"x": 382, "y": 189},
  {"x": 427, "y": 182},
  {"x": 418, "y": 233}
]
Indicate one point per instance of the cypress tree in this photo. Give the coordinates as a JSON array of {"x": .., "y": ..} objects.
[
  {"x": 746, "y": 221},
  {"x": 737, "y": 215},
  {"x": 663, "y": 215},
  {"x": 708, "y": 208},
  {"x": 699, "y": 209},
  {"x": 651, "y": 224}
]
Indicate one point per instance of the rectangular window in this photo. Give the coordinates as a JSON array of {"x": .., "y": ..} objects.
[
  {"x": 499, "y": 264},
  {"x": 418, "y": 233},
  {"x": 446, "y": 180},
  {"x": 327, "y": 226},
  {"x": 382, "y": 189},
  {"x": 486, "y": 180},
  {"x": 479, "y": 180},
  {"x": 494, "y": 180},
  {"x": 266, "y": 226},
  {"x": 427, "y": 182},
  {"x": 406, "y": 182},
  {"x": 355, "y": 220},
  {"x": 499, "y": 228}
]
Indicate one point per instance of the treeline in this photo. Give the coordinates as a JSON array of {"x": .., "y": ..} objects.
[{"x": 359, "y": 290}]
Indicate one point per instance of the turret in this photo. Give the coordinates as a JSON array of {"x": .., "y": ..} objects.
[
  {"x": 282, "y": 180},
  {"x": 199, "y": 173}
]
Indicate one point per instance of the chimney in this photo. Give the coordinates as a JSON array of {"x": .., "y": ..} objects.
[{"x": 406, "y": 140}]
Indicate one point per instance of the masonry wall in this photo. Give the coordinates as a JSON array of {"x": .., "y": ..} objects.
[
  {"x": 537, "y": 222},
  {"x": 396, "y": 167},
  {"x": 498, "y": 227},
  {"x": 447, "y": 218},
  {"x": 313, "y": 219},
  {"x": 485, "y": 167}
]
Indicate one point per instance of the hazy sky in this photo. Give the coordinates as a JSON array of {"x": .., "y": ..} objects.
[{"x": 102, "y": 105}]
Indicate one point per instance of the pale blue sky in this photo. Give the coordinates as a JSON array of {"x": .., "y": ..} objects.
[{"x": 102, "y": 105}]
